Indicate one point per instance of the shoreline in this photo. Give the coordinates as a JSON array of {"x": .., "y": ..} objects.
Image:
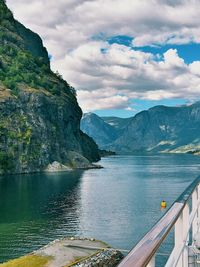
[{"x": 68, "y": 252}]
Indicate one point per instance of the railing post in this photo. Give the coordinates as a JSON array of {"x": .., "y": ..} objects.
[
  {"x": 178, "y": 237},
  {"x": 181, "y": 229},
  {"x": 194, "y": 206},
  {"x": 152, "y": 263},
  {"x": 198, "y": 211},
  {"x": 186, "y": 226}
]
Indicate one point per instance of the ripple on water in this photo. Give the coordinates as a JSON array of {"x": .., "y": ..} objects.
[{"x": 117, "y": 204}]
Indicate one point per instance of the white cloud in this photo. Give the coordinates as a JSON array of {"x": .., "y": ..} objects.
[
  {"x": 110, "y": 78},
  {"x": 195, "y": 68},
  {"x": 75, "y": 21},
  {"x": 171, "y": 59},
  {"x": 128, "y": 73},
  {"x": 101, "y": 99}
]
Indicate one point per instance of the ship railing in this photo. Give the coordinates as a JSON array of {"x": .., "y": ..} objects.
[{"x": 184, "y": 217}]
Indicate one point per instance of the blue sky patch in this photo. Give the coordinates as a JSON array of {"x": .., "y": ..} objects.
[
  {"x": 139, "y": 105},
  {"x": 121, "y": 40},
  {"x": 189, "y": 52}
]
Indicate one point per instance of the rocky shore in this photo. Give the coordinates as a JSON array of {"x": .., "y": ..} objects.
[
  {"x": 106, "y": 258},
  {"x": 71, "y": 252}
]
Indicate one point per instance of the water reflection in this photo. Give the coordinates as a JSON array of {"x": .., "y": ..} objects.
[
  {"x": 117, "y": 204},
  {"x": 35, "y": 209},
  {"x": 122, "y": 201}
]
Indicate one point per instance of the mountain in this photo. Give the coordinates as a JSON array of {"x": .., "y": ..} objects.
[
  {"x": 118, "y": 123},
  {"x": 104, "y": 130},
  {"x": 159, "y": 129},
  {"x": 162, "y": 129},
  {"x": 39, "y": 113},
  {"x": 98, "y": 129}
]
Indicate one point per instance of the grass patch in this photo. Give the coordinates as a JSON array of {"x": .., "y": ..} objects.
[{"x": 28, "y": 261}]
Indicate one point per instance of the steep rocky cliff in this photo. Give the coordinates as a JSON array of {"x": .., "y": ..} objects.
[{"x": 39, "y": 113}]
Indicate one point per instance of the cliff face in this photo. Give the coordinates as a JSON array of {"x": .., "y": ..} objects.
[
  {"x": 39, "y": 113},
  {"x": 13, "y": 32}
]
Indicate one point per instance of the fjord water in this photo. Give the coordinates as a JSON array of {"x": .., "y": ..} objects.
[{"x": 117, "y": 204}]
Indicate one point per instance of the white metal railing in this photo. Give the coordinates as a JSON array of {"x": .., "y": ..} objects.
[
  {"x": 186, "y": 222},
  {"x": 184, "y": 217}
]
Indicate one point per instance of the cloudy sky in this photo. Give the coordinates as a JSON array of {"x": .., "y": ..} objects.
[{"x": 121, "y": 56}]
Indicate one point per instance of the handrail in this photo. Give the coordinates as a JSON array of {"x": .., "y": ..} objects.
[
  {"x": 144, "y": 251},
  {"x": 183, "y": 198}
]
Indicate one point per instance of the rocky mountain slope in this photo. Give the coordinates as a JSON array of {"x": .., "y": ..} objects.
[
  {"x": 39, "y": 113},
  {"x": 118, "y": 123},
  {"x": 166, "y": 129},
  {"x": 159, "y": 129},
  {"x": 104, "y": 130},
  {"x": 98, "y": 129}
]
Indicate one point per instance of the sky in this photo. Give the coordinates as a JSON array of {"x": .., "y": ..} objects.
[{"x": 121, "y": 56}]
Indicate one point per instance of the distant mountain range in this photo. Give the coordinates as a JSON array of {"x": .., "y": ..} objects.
[{"x": 159, "y": 129}]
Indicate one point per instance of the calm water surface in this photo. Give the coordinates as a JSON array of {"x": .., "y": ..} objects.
[{"x": 117, "y": 204}]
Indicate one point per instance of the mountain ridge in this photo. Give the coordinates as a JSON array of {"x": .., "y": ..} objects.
[
  {"x": 104, "y": 135},
  {"x": 160, "y": 129}
]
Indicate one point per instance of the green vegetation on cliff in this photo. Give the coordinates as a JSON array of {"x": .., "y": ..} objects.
[
  {"x": 23, "y": 59},
  {"x": 39, "y": 113}
]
